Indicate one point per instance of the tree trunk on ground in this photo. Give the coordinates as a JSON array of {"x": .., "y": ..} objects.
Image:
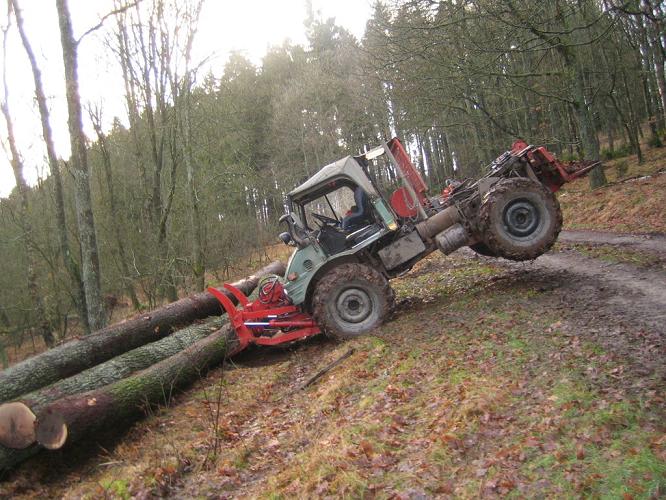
[
  {"x": 90, "y": 273},
  {"x": 69, "y": 419},
  {"x": 80, "y": 354},
  {"x": 124, "y": 365},
  {"x": 70, "y": 264},
  {"x": 125, "y": 400}
]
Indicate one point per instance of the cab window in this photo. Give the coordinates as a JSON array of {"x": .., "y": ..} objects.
[{"x": 333, "y": 205}]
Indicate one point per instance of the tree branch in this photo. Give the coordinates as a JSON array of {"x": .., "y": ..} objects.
[{"x": 101, "y": 22}]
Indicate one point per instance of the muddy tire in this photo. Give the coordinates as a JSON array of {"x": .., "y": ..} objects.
[
  {"x": 351, "y": 299},
  {"x": 482, "y": 249},
  {"x": 519, "y": 219}
]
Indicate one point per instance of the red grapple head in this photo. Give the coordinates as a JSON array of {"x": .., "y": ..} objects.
[{"x": 271, "y": 292}]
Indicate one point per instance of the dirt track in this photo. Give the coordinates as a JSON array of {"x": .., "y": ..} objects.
[
  {"x": 622, "y": 306},
  {"x": 654, "y": 243}
]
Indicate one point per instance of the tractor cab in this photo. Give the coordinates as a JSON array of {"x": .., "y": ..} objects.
[
  {"x": 335, "y": 214},
  {"x": 337, "y": 208},
  {"x": 340, "y": 216}
]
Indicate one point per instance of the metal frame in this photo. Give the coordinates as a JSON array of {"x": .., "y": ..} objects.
[{"x": 252, "y": 320}]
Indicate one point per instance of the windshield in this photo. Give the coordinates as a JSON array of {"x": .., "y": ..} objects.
[{"x": 334, "y": 205}]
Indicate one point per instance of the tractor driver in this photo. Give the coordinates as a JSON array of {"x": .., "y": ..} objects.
[{"x": 359, "y": 214}]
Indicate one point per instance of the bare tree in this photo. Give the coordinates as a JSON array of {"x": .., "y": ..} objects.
[
  {"x": 54, "y": 167},
  {"x": 23, "y": 219},
  {"x": 90, "y": 274},
  {"x": 116, "y": 220},
  {"x": 144, "y": 46},
  {"x": 198, "y": 256}
]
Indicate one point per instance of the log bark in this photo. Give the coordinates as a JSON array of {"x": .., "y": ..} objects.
[
  {"x": 77, "y": 355},
  {"x": 128, "y": 399},
  {"x": 71, "y": 418},
  {"x": 122, "y": 366}
]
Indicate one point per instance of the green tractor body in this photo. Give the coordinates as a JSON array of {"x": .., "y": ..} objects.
[{"x": 352, "y": 237}]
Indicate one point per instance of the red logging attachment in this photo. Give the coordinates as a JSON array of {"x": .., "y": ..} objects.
[
  {"x": 551, "y": 171},
  {"x": 409, "y": 171},
  {"x": 271, "y": 320}
]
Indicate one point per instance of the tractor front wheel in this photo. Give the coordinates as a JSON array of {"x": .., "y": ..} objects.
[
  {"x": 351, "y": 299},
  {"x": 519, "y": 219}
]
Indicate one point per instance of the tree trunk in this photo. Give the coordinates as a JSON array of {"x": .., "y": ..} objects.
[
  {"x": 433, "y": 168},
  {"x": 588, "y": 133},
  {"x": 77, "y": 355},
  {"x": 23, "y": 219},
  {"x": 658, "y": 52},
  {"x": 198, "y": 244},
  {"x": 70, "y": 264},
  {"x": 79, "y": 160},
  {"x": 69, "y": 419},
  {"x": 124, "y": 365},
  {"x": 115, "y": 214},
  {"x": 198, "y": 256}
]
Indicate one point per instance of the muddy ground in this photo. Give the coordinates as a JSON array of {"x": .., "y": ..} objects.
[
  {"x": 493, "y": 378},
  {"x": 620, "y": 305}
]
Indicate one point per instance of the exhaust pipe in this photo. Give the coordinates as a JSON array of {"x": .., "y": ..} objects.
[
  {"x": 447, "y": 230},
  {"x": 438, "y": 223}
]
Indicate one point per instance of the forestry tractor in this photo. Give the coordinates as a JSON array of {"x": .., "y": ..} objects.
[{"x": 350, "y": 238}]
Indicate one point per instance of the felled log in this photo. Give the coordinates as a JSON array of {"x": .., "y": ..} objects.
[
  {"x": 17, "y": 435},
  {"x": 77, "y": 355},
  {"x": 17, "y": 426},
  {"x": 69, "y": 419},
  {"x": 122, "y": 366}
]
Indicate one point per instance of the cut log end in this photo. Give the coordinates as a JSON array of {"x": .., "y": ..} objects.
[
  {"x": 51, "y": 430},
  {"x": 17, "y": 426}
]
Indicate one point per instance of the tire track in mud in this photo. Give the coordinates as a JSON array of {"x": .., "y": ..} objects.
[
  {"x": 653, "y": 243},
  {"x": 631, "y": 293},
  {"x": 620, "y": 305}
]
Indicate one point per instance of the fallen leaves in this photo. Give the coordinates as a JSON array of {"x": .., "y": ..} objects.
[
  {"x": 367, "y": 448},
  {"x": 580, "y": 452},
  {"x": 459, "y": 399}
]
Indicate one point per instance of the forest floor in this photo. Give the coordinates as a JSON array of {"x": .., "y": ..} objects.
[{"x": 492, "y": 378}]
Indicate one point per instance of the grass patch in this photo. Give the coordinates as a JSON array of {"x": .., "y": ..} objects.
[{"x": 615, "y": 255}]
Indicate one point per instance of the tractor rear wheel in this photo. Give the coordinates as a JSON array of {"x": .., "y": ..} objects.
[
  {"x": 519, "y": 219},
  {"x": 351, "y": 299}
]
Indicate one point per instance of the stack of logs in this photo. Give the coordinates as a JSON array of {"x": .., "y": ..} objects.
[{"x": 112, "y": 375}]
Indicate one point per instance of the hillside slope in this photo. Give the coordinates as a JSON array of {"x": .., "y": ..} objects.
[
  {"x": 633, "y": 202},
  {"x": 492, "y": 378},
  {"x": 538, "y": 379}
]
